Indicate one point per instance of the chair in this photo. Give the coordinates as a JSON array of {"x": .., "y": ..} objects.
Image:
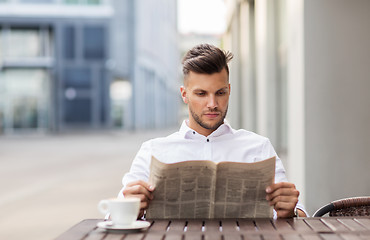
[{"x": 354, "y": 206}]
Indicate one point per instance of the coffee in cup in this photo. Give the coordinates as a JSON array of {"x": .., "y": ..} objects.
[{"x": 123, "y": 211}]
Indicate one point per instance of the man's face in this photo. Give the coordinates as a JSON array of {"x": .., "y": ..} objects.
[{"x": 207, "y": 96}]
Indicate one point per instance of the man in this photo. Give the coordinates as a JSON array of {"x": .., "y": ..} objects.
[{"x": 207, "y": 136}]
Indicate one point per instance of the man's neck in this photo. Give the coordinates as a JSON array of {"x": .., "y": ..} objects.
[{"x": 199, "y": 129}]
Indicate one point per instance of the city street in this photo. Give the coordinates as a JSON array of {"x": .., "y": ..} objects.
[{"x": 49, "y": 183}]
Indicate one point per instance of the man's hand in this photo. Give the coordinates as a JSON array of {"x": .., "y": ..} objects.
[
  {"x": 284, "y": 197},
  {"x": 142, "y": 190}
]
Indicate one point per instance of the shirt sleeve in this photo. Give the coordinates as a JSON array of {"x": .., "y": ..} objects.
[
  {"x": 140, "y": 166},
  {"x": 269, "y": 151}
]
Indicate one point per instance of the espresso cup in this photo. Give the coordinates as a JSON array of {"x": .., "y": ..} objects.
[{"x": 123, "y": 211}]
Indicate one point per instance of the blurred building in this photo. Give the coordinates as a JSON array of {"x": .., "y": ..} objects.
[
  {"x": 87, "y": 64},
  {"x": 153, "y": 59},
  {"x": 301, "y": 77}
]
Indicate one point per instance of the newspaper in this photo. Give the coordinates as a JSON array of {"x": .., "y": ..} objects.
[{"x": 204, "y": 189}]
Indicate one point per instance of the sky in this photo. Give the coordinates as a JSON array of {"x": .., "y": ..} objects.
[{"x": 201, "y": 16}]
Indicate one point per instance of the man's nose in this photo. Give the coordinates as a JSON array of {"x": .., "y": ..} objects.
[{"x": 212, "y": 102}]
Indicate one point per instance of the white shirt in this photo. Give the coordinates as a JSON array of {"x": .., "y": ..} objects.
[{"x": 224, "y": 144}]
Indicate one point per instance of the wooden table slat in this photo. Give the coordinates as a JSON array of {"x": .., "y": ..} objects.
[
  {"x": 250, "y": 236},
  {"x": 330, "y": 236},
  {"x": 134, "y": 236},
  {"x": 317, "y": 225},
  {"x": 352, "y": 224},
  {"x": 211, "y": 225},
  {"x": 232, "y": 237},
  {"x": 195, "y": 226},
  {"x": 299, "y": 225},
  {"x": 291, "y": 236},
  {"x": 271, "y": 236},
  {"x": 364, "y": 236},
  {"x": 159, "y": 225},
  {"x": 334, "y": 224},
  {"x": 350, "y": 236},
  {"x": 230, "y": 225},
  {"x": 212, "y": 236},
  {"x": 112, "y": 236},
  {"x": 310, "y": 236},
  {"x": 193, "y": 236},
  {"x": 154, "y": 235},
  {"x": 264, "y": 225},
  {"x": 282, "y": 225},
  {"x": 364, "y": 222},
  {"x": 172, "y": 236},
  {"x": 246, "y": 225},
  {"x": 80, "y": 230},
  {"x": 96, "y": 234},
  {"x": 177, "y": 225}
]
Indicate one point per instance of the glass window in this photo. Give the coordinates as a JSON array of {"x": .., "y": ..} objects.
[
  {"x": 77, "y": 111},
  {"x": 26, "y": 43},
  {"x": 25, "y": 112},
  {"x": 37, "y": 1},
  {"x": 24, "y": 92},
  {"x": 89, "y": 2},
  {"x": 1, "y": 44},
  {"x": 69, "y": 42},
  {"x": 120, "y": 95},
  {"x": 2, "y": 101},
  {"x": 103, "y": 95},
  {"x": 23, "y": 43},
  {"x": 71, "y": 1},
  {"x": 23, "y": 98},
  {"x": 93, "y": 2},
  {"x": 78, "y": 78},
  {"x": 25, "y": 81},
  {"x": 120, "y": 90},
  {"x": 93, "y": 42}
]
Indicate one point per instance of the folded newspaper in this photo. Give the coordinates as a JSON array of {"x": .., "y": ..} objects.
[{"x": 204, "y": 189}]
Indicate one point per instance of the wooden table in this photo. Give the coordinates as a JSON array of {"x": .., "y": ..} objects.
[{"x": 329, "y": 228}]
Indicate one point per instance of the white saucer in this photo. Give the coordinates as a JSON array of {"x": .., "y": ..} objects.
[{"x": 137, "y": 225}]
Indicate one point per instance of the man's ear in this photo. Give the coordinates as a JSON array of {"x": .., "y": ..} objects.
[{"x": 183, "y": 94}]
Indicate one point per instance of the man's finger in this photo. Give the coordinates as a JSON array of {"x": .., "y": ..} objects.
[
  {"x": 147, "y": 185},
  {"x": 289, "y": 206},
  {"x": 282, "y": 192},
  {"x": 142, "y": 197},
  {"x": 284, "y": 214},
  {"x": 137, "y": 190},
  {"x": 283, "y": 199},
  {"x": 273, "y": 187}
]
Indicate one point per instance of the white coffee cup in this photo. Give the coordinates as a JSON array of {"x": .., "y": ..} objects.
[{"x": 123, "y": 211}]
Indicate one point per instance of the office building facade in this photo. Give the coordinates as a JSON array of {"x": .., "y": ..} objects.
[{"x": 73, "y": 65}]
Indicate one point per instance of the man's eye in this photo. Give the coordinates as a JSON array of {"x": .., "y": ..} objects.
[
  {"x": 200, "y": 94},
  {"x": 221, "y": 93}
]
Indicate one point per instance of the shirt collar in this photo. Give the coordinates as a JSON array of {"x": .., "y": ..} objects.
[{"x": 186, "y": 132}]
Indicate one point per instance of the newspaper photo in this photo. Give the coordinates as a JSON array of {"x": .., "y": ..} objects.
[{"x": 204, "y": 189}]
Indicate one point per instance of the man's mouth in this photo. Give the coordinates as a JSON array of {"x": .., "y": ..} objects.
[{"x": 212, "y": 114}]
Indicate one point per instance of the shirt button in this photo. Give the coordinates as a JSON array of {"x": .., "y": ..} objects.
[{"x": 207, "y": 140}]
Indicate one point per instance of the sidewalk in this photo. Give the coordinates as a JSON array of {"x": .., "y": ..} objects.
[{"x": 49, "y": 183}]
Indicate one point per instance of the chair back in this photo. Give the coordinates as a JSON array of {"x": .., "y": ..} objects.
[{"x": 354, "y": 206}]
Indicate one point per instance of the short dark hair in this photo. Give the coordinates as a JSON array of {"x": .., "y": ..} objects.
[{"x": 206, "y": 58}]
